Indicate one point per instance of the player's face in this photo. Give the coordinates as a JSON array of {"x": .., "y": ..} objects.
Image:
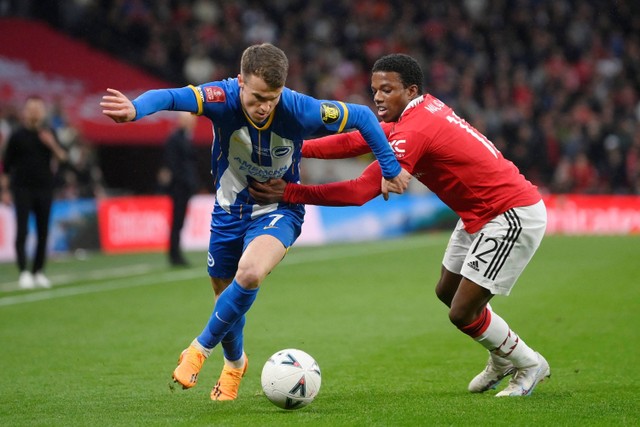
[
  {"x": 258, "y": 99},
  {"x": 390, "y": 95}
]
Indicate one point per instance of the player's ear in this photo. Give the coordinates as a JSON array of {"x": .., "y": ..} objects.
[
  {"x": 413, "y": 91},
  {"x": 240, "y": 80}
]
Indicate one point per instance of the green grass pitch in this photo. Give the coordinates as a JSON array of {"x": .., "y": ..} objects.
[{"x": 99, "y": 348}]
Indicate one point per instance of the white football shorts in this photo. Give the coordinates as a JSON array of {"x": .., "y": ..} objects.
[{"x": 495, "y": 256}]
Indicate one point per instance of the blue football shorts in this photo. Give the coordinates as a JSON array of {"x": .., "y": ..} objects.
[{"x": 231, "y": 235}]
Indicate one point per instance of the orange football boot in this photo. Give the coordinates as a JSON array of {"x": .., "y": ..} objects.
[
  {"x": 229, "y": 382},
  {"x": 189, "y": 365}
]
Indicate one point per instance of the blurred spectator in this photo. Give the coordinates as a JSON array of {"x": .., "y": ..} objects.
[
  {"x": 28, "y": 183},
  {"x": 584, "y": 176},
  {"x": 199, "y": 67},
  {"x": 633, "y": 164},
  {"x": 547, "y": 79},
  {"x": 575, "y": 176},
  {"x": 614, "y": 179},
  {"x": 8, "y": 121},
  {"x": 181, "y": 179},
  {"x": 81, "y": 177}
]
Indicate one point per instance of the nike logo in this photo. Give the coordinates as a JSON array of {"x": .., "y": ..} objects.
[{"x": 218, "y": 317}]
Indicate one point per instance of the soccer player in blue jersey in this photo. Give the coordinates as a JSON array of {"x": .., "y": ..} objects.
[{"x": 258, "y": 127}]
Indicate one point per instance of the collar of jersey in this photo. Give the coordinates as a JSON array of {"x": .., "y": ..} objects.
[
  {"x": 412, "y": 104},
  {"x": 264, "y": 126}
]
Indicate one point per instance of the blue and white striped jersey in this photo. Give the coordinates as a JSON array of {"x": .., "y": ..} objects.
[{"x": 243, "y": 151}]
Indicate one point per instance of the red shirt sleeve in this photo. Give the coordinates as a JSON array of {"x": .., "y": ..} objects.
[
  {"x": 340, "y": 146},
  {"x": 355, "y": 192}
]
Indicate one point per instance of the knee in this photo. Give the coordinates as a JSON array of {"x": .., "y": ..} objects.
[
  {"x": 249, "y": 277},
  {"x": 462, "y": 315},
  {"x": 459, "y": 317}
]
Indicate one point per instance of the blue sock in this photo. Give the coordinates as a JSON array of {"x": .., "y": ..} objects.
[
  {"x": 233, "y": 343},
  {"x": 232, "y": 304}
]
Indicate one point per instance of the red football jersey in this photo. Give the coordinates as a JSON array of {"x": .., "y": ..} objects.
[{"x": 455, "y": 161}]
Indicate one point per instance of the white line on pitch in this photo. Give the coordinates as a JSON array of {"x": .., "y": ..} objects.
[
  {"x": 105, "y": 273},
  {"x": 90, "y": 288},
  {"x": 322, "y": 254}
]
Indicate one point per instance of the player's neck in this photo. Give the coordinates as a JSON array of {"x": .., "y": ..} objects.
[{"x": 415, "y": 101}]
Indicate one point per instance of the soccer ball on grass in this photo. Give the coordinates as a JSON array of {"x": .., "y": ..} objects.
[{"x": 291, "y": 379}]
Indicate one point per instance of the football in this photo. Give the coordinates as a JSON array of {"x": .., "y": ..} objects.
[{"x": 291, "y": 379}]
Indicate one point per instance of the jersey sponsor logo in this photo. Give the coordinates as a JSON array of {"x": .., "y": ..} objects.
[
  {"x": 330, "y": 113},
  {"x": 396, "y": 145},
  {"x": 214, "y": 94},
  {"x": 280, "y": 152},
  {"x": 260, "y": 172},
  {"x": 262, "y": 151}
]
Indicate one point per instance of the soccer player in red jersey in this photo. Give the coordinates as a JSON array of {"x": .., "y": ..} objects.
[{"x": 502, "y": 215}]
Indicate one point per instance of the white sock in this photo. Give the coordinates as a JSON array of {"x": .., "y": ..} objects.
[
  {"x": 201, "y": 348},
  {"x": 235, "y": 364},
  {"x": 501, "y": 341},
  {"x": 497, "y": 359}
]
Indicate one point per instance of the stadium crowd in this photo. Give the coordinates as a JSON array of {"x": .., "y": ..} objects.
[
  {"x": 555, "y": 84},
  {"x": 80, "y": 175}
]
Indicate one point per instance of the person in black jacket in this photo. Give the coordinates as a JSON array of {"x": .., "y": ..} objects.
[
  {"x": 180, "y": 160},
  {"x": 28, "y": 174}
]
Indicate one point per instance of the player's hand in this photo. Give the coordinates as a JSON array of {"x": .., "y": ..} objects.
[
  {"x": 270, "y": 191},
  {"x": 395, "y": 185},
  {"x": 118, "y": 107}
]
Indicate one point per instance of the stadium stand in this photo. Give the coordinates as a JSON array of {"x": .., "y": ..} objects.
[{"x": 554, "y": 83}]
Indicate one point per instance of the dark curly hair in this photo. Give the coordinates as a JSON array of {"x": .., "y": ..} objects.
[{"x": 406, "y": 66}]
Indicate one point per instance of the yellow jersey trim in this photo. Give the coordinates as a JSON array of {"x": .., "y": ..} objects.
[
  {"x": 266, "y": 125},
  {"x": 346, "y": 116},
  {"x": 198, "y": 100}
]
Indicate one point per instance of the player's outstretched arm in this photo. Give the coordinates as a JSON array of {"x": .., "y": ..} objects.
[
  {"x": 339, "y": 146},
  {"x": 355, "y": 192},
  {"x": 117, "y": 106}
]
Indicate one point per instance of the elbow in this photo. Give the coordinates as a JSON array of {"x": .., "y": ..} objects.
[{"x": 362, "y": 199}]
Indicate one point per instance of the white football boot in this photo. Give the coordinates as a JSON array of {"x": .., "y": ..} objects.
[
  {"x": 497, "y": 368},
  {"x": 525, "y": 379}
]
